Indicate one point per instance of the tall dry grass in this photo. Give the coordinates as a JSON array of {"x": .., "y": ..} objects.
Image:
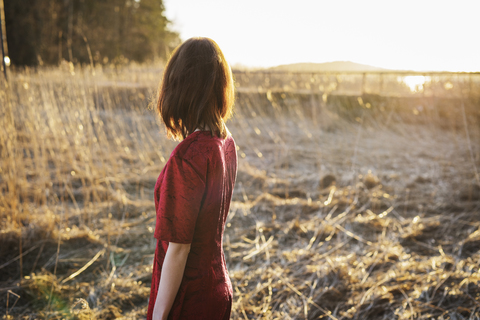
[{"x": 350, "y": 202}]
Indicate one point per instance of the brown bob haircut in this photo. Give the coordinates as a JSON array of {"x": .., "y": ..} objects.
[{"x": 197, "y": 90}]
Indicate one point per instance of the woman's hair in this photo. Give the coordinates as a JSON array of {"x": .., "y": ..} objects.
[{"x": 197, "y": 90}]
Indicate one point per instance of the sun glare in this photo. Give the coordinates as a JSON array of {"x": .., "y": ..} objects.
[{"x": 415, "y": 83}]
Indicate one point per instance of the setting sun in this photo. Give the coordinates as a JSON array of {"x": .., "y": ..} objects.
[{"x": 415, "y": 83}]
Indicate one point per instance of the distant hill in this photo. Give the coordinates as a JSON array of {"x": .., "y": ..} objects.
[{"x": 326, "y": 66}]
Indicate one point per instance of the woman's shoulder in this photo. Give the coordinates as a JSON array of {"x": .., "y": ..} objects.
[
  {"x": 199, "y": 146},
  {"x": 194, "y": 149}
]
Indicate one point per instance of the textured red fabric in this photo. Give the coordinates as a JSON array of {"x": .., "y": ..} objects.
[{"x": 192, "y": 199}]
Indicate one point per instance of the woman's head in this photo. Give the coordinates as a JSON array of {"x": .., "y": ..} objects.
[{"x": 197, "y": 90}]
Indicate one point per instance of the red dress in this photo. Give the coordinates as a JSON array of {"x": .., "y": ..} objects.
[{"x": 192, "y": 199}]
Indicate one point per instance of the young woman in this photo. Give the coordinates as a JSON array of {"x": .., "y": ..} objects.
[{"x": 193, "y": 192}]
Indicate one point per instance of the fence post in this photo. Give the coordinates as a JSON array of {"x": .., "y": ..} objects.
[
  {"x": 470, "y": 85},
  {"x": 313, "y": 103},
  {"x": 4, "y": 49},
  {"x": 363, "y": 82},
  {"x": 381, "y": 84}
]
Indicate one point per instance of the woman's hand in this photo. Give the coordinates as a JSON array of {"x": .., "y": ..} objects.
[{"x": 170, "y": 279}]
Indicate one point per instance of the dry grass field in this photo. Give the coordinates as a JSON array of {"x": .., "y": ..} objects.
[{"x": 346, "y": 206}]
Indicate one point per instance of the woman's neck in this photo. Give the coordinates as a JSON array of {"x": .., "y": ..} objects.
[{"x": 204, "y": 128}]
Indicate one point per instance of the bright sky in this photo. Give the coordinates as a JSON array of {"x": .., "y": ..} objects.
[{"x": 395, "y": 34}]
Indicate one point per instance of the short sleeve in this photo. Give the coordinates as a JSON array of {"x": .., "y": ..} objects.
[{"x": 180, "y": 199}]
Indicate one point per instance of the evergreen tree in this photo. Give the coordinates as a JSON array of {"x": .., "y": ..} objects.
[{"x": 46, "y": 32}]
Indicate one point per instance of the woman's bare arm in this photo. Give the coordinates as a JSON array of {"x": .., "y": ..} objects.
[{"x": 171, "y": 277}]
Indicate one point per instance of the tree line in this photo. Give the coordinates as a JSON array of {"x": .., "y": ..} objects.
[{"x": 103, "y": 31}]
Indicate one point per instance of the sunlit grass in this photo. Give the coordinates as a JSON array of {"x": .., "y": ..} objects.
[{"x": 356, "y": 198}]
